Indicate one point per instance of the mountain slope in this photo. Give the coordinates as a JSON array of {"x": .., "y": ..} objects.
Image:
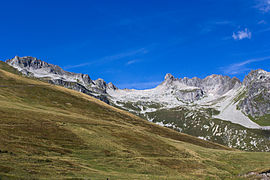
[
  {"x": 216, "y": 91},
  {"x": 49, "y": 131},
  {"x": 207, "y": 108},
  {"x": 217, "y": 108}
]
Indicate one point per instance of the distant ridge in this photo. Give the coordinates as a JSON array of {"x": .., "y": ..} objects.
[{"x": 211, "y": 108}]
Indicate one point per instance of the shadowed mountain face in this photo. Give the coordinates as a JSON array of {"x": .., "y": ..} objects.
[
  {"x": 51, "y": 132},
  {"x": 217, "y": 108}
]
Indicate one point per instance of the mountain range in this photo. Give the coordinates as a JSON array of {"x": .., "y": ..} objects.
[
  {"x": 52, "y": 132},
  {"x": 217, "y": 108}
]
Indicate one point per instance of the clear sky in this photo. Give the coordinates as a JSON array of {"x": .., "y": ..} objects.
[{"x": 134, "y": 43}]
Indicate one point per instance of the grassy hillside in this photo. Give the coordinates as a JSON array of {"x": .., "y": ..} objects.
[
  {"x": 48, "y": 131},
  {"x": 200, "y": 122}
]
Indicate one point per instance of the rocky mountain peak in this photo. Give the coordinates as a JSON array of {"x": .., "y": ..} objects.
[
  {"x": 168, "y": 80},
  {"x": 236, "y": 79},
  {"x": 256, "y": 101},
  {"x": 258, "y": 75},
  {"x": 16, "y": 58},
  {"x": 213, "y": 84},
  {"x": 111, "y": 86},
  {"x": 169, "y": 77},
  {"x": 219, "y": 84},
  {"x": 101, "y": 83},
  {"x": 31, "y": 66},
  {"x": 34, "y": 67}
]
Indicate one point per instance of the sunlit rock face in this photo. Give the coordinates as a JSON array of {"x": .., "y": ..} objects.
[
  {"x": 193, "y": 89},
  {"x": 256, "y": 98},
  {"x": 34, "y": 67}
]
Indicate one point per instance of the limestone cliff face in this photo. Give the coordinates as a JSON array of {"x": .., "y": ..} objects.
[
  {"x": 32, "y": 66},
  {"x": 193, "y": 89},
  {"x": 256, "y": 96},
  {"x": 254, "y": 99}
]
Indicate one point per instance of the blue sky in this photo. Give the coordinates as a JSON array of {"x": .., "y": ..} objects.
[{"x": 135, "y": 43}]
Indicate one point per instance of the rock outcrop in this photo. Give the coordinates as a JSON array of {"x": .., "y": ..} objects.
[
  {"x": 32, "y": 66},
  {"x": 193, "y": 89},
  {"x": 255, "y": 99}
]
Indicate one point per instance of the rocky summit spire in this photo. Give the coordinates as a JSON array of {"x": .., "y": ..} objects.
[
  {"x": 111, "y": 86},
  {"x": 169, "y": 77}
]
